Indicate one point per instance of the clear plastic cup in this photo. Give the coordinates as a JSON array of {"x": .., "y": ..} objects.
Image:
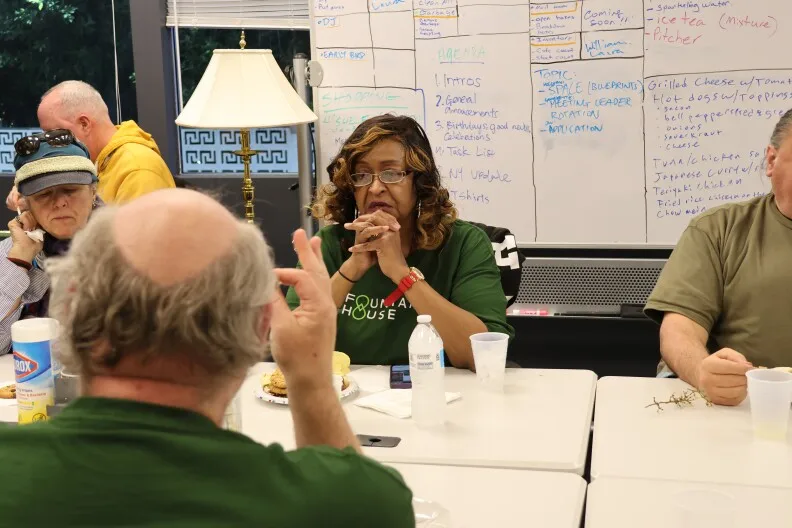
[
  {"x": 67, "y": 386},
  {"x": 489, "y": 355},
  {"x": 430, "y": 514},
  {"x": 770, "y": 394},
  {"x": 232, "y": 420},
  {"x": 702, "y": 508}
]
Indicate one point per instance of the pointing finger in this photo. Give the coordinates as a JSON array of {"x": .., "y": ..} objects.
[{"x": 305, "y": 253}]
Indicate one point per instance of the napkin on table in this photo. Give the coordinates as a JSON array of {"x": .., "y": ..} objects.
[{"x": 395, "y": 402}]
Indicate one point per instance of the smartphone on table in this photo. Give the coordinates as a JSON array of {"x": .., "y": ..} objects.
[{"x": 400, "y": 377}]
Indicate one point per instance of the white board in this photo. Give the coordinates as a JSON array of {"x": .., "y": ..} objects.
[{"x": 593, "y": 122}]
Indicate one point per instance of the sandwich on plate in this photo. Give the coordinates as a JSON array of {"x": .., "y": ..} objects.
[{"x": 275, "y": 383}]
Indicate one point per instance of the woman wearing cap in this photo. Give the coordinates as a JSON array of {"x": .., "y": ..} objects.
[
  {"x": 57, "y": 180},
  {"x": 397, "y": 249}
]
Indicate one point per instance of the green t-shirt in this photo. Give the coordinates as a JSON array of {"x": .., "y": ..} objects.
[
  {"x": 105, "y": 462},
  {"x": 731, "y": 273},
  {"x": 462, "y": 270}
]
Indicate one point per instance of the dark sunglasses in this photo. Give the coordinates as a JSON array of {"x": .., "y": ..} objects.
[{"x": 60, "y": 137}]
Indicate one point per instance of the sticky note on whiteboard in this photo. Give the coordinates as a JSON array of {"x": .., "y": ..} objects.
[
  {"x": 394, "y": 68},
  {"x": 348, "y": 31},
  {"x": 393, "y": 30},
  {"x": 347, "y": 66}
]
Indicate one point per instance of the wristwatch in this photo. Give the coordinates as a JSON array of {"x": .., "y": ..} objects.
[{"x": 405, "y": 284}]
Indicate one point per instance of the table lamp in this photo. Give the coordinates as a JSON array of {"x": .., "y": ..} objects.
[{"x": 244, "y": 89}]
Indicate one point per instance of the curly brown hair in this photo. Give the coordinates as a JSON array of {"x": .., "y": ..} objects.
[{"x": 336, "y": 201}]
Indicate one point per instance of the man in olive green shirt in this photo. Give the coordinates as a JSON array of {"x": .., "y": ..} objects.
[
  {"x": 724, "y": 295},
  {"x": 164, "y": 304}
]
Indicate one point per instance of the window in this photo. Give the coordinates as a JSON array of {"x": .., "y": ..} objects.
[
  {"x": 250, "y": 14},
  {"x": 212, "y": 151},
  {"x": 44, "y": 42}
]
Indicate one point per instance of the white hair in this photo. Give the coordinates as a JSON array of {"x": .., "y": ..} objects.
[
  {"x": 108, "y": 310},
  {"x": 78, "y": 97}
]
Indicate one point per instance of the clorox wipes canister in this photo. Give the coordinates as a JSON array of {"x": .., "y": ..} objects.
[{"x": 31, "y": 340}]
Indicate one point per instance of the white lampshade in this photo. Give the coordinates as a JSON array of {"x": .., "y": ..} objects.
[{"x": 244, "y": 89}]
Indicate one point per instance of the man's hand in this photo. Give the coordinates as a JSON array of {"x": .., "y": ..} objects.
[
  {"x": 721, "y": 376},
  {"x": 22, "y": 246},
  {"x": 303, "y": 340},
  {"x": 303, "y": 343},
  {"x": 12, "y": 200}
]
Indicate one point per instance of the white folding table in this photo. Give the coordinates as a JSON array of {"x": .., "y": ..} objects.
[
  {"x": 499, "y": 498},
  {"x": 627, "y": 503},
  {"x": 694, "y": 444},
  {"x": 541, "y": 421}
]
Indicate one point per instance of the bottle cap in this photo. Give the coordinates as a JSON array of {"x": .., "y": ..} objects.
[
  {"x": 423, "y": 319},
  {"x": 34, "y": 330}
]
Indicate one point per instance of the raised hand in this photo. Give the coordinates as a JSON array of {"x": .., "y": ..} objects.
[{"x": 303, "y": 340}]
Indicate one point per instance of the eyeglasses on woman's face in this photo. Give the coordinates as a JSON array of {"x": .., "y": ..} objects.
[{"x": 362, "y": 179}]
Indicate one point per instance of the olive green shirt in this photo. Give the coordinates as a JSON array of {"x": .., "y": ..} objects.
[
  {"x": 462, "y": 270},
  {"x": 107, "y": 462},
  {"x": 731, "y": 272}
]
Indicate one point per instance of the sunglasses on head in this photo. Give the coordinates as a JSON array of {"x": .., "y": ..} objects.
[{"x": 59, "y": 137}]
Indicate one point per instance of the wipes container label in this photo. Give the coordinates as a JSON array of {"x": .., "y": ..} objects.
[{"x": 35, "y": 383}]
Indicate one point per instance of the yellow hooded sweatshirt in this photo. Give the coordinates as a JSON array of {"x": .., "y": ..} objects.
[{"x": 130, "y": 165}]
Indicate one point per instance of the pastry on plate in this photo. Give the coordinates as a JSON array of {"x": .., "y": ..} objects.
[
  {"x": 8, "y": 392},
  {"x": 275, "y": 383},
  {"x": 341, "y": 363}
]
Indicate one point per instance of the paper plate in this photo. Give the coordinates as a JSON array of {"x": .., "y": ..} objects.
[{"x": 263, "y": 395}]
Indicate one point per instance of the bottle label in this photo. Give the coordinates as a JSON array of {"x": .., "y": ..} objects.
[
  {"x": 428, "y": 361},
  {"x": 35, "y": 385}
]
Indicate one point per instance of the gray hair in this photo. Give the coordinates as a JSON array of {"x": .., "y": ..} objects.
[
  {"x": 107, "y": 310},
  {"x": 782, "y": 129},
  {"x": 78, "y": 97}
]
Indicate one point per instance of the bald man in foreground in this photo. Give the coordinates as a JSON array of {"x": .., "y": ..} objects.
[{"x": 164, "y": 304}]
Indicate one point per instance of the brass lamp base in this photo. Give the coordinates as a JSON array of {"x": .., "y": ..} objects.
[{"x": 247, "y": 182}]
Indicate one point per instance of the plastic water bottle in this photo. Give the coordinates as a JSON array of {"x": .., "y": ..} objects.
[{"x": 427, "y": 373}]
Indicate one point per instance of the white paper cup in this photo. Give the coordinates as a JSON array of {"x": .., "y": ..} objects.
[
  {"x": 489, "y": 355},
  {"x": 770, "y": 393},
  {"x": 702, "y": 508}
]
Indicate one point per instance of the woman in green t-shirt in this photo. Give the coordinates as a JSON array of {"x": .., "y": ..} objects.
[{"x": 396, "y": 249}]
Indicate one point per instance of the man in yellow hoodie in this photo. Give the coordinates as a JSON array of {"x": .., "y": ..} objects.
[{"x": 127, "y": 159}]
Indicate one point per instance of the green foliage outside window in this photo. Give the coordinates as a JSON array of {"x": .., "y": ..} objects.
[{"x": 44, "y": 42}]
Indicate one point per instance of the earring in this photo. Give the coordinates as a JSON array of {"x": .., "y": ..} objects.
[
  {"x": 356, "y": 212},
  {"x": 419, "y": 209}
]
